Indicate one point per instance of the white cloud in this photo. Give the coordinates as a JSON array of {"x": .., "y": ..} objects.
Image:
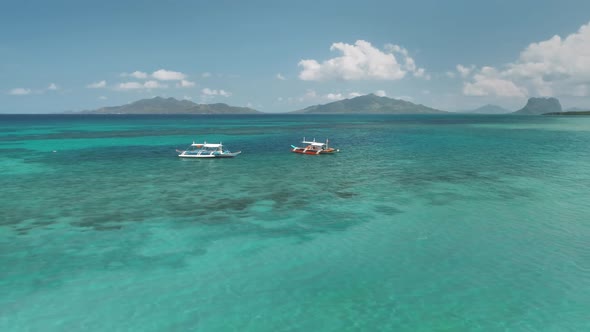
[
  {"x": 168, "y": 75},
  {"x": 19, "y": 92},
  {"x": 154, "y": 85},
  {"x": 313, "y": 96},
  {"x": 489, "y": 81},
  {"x": 97, "y": 85},
  {"x": 24, "y": 91},
  {"x": 361, "y": 61},
  {"x": 187, "y": 98},
  {"x": 485, "y": 86},
  {"x": 205, "y": 75},
  {"x": 130, "y": 86},
  {"x": 213, "y": 92},
  {"x": 553, "y": 67},
  {"x": 334, "y": 96},
  {"x": 465, "y": 71},
  {"x": 102, "y": 98},
  {"x": 421, "y": 72},
  {"x": 340, "y": 96},
  {"x": 397, "y": 49},
  {"x": 148, "y": 85},
  {"x": 185, "y": 84},
  {"x": 159, "y": 75},
  {"x": 450, "y": 74},
  {"x": 380, "y": 93},
  {"x": 139, "y": 74},
  {"x": 136, "y": 74},
  {"x": 409, "y": 63},
  {"x": 281, "y": 77}
]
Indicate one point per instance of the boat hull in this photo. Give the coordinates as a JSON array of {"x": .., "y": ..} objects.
[
  {"x": 313, "y": 148},
  {"x": 211, "y": 155},
  {"x": 313, "y": 152}
]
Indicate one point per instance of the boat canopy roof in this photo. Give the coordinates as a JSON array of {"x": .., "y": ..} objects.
[
  {"x": 313, "y": 143},
  {"x": 207, "y": 145}
]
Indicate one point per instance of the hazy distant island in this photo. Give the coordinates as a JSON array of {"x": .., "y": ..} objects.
[
  {"x": 577, "y": 109},
  {"x": 569, "y": 113},
  {"x": 487, "y": 109},
  {"x": 534, "y": 106},
  {"x": 159, "y": 105},
  {"x": 369, "y": 104},
  {"x": 539, "y": 106}
]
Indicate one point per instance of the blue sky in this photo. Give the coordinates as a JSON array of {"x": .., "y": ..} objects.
[{"x": 278, "y": 56}]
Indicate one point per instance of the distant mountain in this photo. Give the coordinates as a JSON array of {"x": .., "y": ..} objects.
[
  {"x": 370, "y": 104},
  {"x": 488, "y": 109},
  {"x": 536, "y": 106},
  {"x": 159, "y": 105}
]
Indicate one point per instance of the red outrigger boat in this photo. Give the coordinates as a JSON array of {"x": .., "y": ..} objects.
[{"x": 313, "y": 147}]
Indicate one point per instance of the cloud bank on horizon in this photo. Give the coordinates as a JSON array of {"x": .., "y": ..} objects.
[
  {"x": 155, "y": 80},
  {"x": 557, "y": 66},
  {"x": 554, "y": 67}
]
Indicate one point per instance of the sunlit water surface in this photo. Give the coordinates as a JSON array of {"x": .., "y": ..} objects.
[{"x": 420, "y": 223}]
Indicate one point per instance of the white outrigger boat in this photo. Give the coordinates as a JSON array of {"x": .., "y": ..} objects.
[
  {"x": 314, "y": 148},
  {"x": 207, "y": 150}
]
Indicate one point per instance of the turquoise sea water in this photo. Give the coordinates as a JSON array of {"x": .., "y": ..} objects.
[{"x": 420, "y": 223}]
